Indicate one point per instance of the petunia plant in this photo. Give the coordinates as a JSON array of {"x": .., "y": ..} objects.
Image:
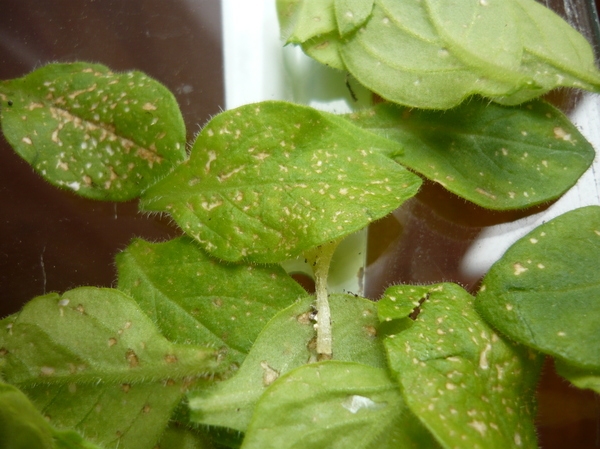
[{"x": 207, "y": 342}]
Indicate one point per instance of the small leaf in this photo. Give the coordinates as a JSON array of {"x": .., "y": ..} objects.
[
  {"x": 195, "y": 300},
  {"x": 580, "y": 377},
  {"x": 496, "y": 156},
  {"x": 351, "y": 14},
  {"x": 335, "y": 405},
  {"x": 269, "y": 180},
  {"x": 288, "y": 341},
  {"x": 82, "y": 356},
  {"x": 103, "y": 135},
  {"x": 544, "y": 292},
  {"x": 300, "y": 20},
  {"x": 466, "y": 384}
]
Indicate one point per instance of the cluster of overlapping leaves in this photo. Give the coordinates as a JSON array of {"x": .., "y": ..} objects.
[{"x": 207, "y": 342}]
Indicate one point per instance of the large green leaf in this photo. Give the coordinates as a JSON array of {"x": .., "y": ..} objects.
[
  {"x": 101, "y": 134},
  {"x": 195, "y": 300},
  {"x": 545, "y": 291},
  {"x": 91, "y": 361},
  {"x": 335, "y": 405},
  {"x": 287, "y": 342},
  {"x": 435, "y": 53},
  {"x": 496, "y": 156},
  {"x": 269, "y": 180},
  {"x": 469, "y": 386}
]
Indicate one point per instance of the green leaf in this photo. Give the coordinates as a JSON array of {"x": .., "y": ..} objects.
[
  {"x": 335, "y": 405},
  {"x": 544, "y": 292},
  {"x": 553, "y": 53},
  {"x": 300, "y": 20},
  {"x": 91, "y": 361},
  {"x": 287, "y": 342},
  {"x": 195, "y": 300},
  {"x": 433, "y": 54},
  {"x": 351, "y": 14},
  {"x": 101, "y": 134},
  {"x": 470, "y": 387},
  {"x": 269, "y": 180},
  {"x": 182, "y": 438},
  {"x": 580, "y": 377},
  {"x": 21, "y": 425},
  {"x": 498, "y": 157}
]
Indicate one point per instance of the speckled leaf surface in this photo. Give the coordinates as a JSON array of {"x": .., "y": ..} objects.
[
  {"x": 82, "y": 355},
  {"x": 103, "y": 135},
  {"x": 470, "y": 387},
  {"x": 433, "y": 54},
  {"x": 335, "y": 405},
  {"x": 195, "y": 300},
  {"x": 545, "y": 291},
  {"x": 267, "y": 181},
  {"x": 498, "y": 157},
  {"x": 287, "y": 342}
]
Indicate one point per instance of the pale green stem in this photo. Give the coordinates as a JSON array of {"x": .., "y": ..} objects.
[{"x": 320, "y": 259}]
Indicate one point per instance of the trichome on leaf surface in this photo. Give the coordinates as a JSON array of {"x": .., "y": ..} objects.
[{"x": 207, "y": 342}]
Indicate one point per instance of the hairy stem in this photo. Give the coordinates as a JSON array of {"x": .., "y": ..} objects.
[{"x": 320, "y": 259}]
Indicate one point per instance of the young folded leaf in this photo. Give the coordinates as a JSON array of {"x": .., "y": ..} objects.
[
  {"x": 470, "y": 387},
  {"x": 195, "y": 300},
  {"x": 93, "y": 362},
  {"x": 544, "y": 292},
  {"x": 335, "y": 405},
  {"x": 267, "y": 181},
  {"x": 499, "y": 157},
  {"x": 433, "y": 54},
  {"x": 103, "y": 135}
]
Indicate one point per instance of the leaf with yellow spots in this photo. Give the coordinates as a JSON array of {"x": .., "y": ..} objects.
[
  {"x": 91, "y": 361},
  {"x": 267, "y": 181},
  {"x": 101, "y": 134},
  {"x": 335, "y": 405},
  {"x": 498, "y": 157},
  {"x": 288, "y": 341},
  {"x": 433, "y": 54},
  {"x": 195, "y": 300},
  {"x": 468, "y": 385},
  {"x": 544, "y": 292}
]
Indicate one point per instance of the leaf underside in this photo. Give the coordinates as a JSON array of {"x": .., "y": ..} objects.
[{"x": 433, "y": 54}]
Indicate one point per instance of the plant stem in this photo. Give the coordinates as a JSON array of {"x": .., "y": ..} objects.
[{"x": 320, "y": 259}]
